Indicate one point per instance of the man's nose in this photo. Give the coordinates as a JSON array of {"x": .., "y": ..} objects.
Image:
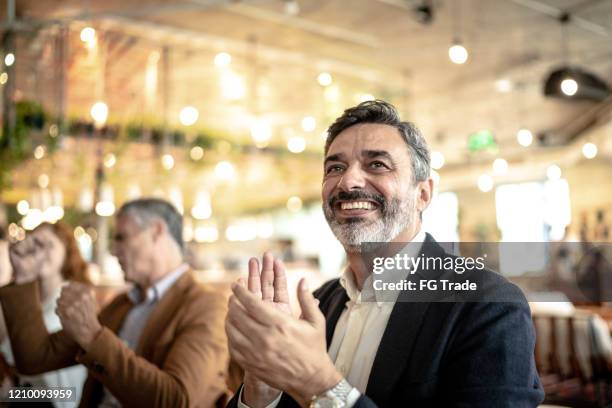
[{"x": 353, "y": 178}]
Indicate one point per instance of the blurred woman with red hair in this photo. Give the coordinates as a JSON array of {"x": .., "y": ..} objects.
[{"x": 62, "y": 262}]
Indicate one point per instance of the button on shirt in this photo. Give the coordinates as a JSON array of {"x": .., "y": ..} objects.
[
  {"x": 360, "y": 328},
  {"x": 137, "y": 317}
]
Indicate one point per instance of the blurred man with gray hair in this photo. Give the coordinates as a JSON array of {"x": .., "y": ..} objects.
[{"x": 161, "y": 344}]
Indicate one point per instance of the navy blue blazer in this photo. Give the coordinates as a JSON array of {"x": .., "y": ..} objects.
[{"x": 445, "y": 354}]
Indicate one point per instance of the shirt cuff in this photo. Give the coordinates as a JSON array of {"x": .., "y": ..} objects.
[
  {"x": 273, "y": 404},
  {"x": 352, "y": 397}
]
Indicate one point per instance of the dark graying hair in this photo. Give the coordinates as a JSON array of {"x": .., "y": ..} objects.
[
  {"x": 145, "y": 210},
  {"x": 384, "y": 113}
]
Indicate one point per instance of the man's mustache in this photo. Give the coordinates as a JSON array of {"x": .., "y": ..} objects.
[{"x": 357, "y": 195}]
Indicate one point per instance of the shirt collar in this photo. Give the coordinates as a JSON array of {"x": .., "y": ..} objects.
[
  {"x": 368, "y": 294},
  {"x": 157, "y": 291}
]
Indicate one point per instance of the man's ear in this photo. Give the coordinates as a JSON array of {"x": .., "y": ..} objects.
[
  {"x": 158, "y": 229},
  {"x": 425, "y": 194}
]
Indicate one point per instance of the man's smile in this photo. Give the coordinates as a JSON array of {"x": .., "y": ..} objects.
[{"x": 353, "y": 208}]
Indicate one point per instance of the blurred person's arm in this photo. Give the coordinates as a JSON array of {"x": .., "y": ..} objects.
[
  {"x": 194, "y": 368},
  {"x": 34, "y": 349}
]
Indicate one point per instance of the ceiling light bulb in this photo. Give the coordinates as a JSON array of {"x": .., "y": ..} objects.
[
  {"x": 292, "y": 7},
  {"x": 524, "y": 137},
  {"x": 503, "y": 85},
  {"x": 88, "y": 35},
  {"x": 485, "y": 183},
  {"x": 99, "y": 113},
  {"x": 110, "y": 160},
  {"x": 294, "y": 204},
  {"x": 569, "y": 86},
  {"x": 458, "y": 54},
  {"x": 39, "y": 152},
  {"x": 261, "y": 132},
  {"x": 222, "y": 59},
  {"x": 324, "y": 79},
  {"x": 9, "y": 59},
  {"x": 589, "y": 150},
  {"x": 296, "y": 144},
  {"x": 188, "y": 116},
  {"x": 225, "y": 171},
  {"x": 196, "y": 153},
  {"x": 309, "y": 124},
  {"x": 167, "y": 161},
  {"x": 437, "y": 160},
  {"x": 500, "y": 166},
  {"x": 23, "y": 207}
]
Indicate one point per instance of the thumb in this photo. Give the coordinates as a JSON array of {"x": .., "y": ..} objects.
[{"x": 308, "y": 304}]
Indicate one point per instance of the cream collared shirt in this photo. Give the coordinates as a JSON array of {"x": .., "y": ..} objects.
[{"x": 360, "y": 329}]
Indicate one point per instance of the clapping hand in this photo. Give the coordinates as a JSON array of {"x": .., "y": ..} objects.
[
  {"x": 277, "y": 351},
  {"x": 27, "y": 259},
  {"x": 268, "y": 283},
  {"x": 77, "y": 309}
]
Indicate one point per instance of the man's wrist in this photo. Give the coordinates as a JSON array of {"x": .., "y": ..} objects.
[
  {"x": 320, "y": 384},
  {"x": 256, "y": 394},
  {"x": 87, "y": 342},
  {"x": 342, "y": 395},
  {"x": 22, "y": 280}
]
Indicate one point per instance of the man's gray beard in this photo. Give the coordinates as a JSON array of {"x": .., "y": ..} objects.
[{"x": 354, "y": 232}]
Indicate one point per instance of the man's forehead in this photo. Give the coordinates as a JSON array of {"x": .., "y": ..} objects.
[
  {"x": 367, "y": 137},
  {"x": 124, "y": 222}
]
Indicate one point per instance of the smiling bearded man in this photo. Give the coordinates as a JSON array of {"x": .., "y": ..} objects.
[{"x": 350, "y": 348}]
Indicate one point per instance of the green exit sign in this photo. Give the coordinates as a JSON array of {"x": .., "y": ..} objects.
[{"x": 481, "y": 140}]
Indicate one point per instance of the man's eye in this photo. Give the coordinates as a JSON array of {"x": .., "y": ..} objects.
[
  {"x": 378, "y": 165},
  {"x": 333, "y": 169}
]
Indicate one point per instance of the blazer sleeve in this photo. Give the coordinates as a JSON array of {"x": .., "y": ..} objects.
[
  {"x": 192, "y": 371},
  {"x": 491, "y": 358},
  {"x": 34, "y": 349}
]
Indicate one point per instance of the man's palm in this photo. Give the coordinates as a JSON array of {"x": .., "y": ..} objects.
[{"x": 270, "y": 283}]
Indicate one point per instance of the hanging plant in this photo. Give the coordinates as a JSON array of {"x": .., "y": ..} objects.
[{"x": 15, "y": 144}]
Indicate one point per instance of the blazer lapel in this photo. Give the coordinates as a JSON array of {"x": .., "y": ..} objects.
[
  {"x": 120, "y": 310},
  {"x": 332, "y": 307},
  {"x": 161, "y": 314},
  {"x": 398, "y": 339}
]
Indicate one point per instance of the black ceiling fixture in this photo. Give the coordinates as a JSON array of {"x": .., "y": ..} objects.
[
  {"x": 575, "y": 83},
  {"x": 572, "y": 82},
  {"x": 424, "y": 12}
]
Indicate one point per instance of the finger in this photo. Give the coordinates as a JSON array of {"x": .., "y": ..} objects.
[
  {"x": 310, "y": 309},
  {"x": 241, "y": 349},
  {"x": 254, "y": 277},
  {"x": 77, "y": 290},
  {"x": 91, "y": 295},
  {"x": 256, "y": 309},
  {"x": 61, "y": 313},
  {"x": 281, "y": 294},
  {"x": 236, "y": 339},
  {"x": 267, "y": 277},
  {"x": 22, "y": 246},
  {"x": 238, "y": 357},
  {"x": 69, "y": 295},
  {"x": 77, "y": 287},
  {"x": 240, "y": 317}
]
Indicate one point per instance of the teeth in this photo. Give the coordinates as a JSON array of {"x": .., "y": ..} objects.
[{"x": 357, "y": 205}]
